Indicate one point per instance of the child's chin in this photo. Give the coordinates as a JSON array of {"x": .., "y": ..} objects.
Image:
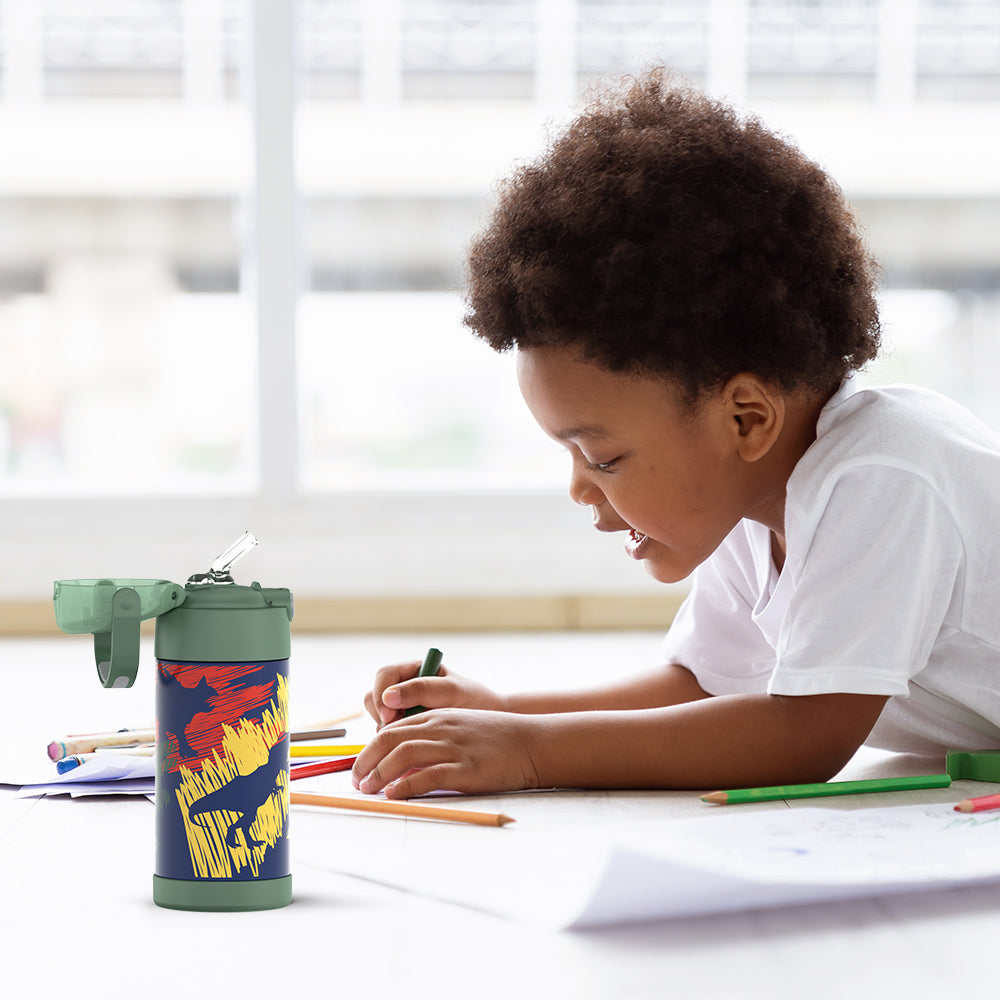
[{"x": 665, "y": 574}]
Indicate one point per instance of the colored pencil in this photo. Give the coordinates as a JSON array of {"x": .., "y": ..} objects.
[
  {"x": 321, "y": 767},
  {"x": 979, "y": 804},
  {"x": 317, "y": 734},
  {"x": 429, "y": 668},
  {"x": 329, "y": 750},
  {"x": 356, "y": 714},
  {"x": 67, "y": 764},
  {"x": 740, "y": 795},
  {"x": 79, "y": 743},
  {"x": 392, "y": 807},
  {"x": 70, "y": 746}
]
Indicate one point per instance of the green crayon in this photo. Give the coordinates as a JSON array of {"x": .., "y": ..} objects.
[{"x": 429, "y": 668}]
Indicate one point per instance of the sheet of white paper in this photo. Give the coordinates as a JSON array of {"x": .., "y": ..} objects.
[
  {"x": 657, "y": 869},
  {"x": 115, "y": 771},
  {"x": 790, "y": 856},
  {"x": 127, "y": 786},
  {"x": 79, "y": 789}
]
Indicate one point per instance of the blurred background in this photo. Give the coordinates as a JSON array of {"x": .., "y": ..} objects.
[{"x": 231, "y": 247}]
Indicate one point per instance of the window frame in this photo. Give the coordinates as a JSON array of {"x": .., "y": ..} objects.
[{"x": 339, "y": 544}]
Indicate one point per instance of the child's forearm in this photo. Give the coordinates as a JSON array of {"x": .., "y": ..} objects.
[
  {"x": 723, "y": 742},
  {"x": 668, "y": 685}
]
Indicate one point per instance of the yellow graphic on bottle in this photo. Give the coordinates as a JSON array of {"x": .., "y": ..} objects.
[{"x": 235, "y": 808}]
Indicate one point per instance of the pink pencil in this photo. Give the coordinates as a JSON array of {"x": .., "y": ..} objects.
[{"x": 978, "y": 805}]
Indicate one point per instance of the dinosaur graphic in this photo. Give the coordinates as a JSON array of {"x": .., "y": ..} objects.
[
  {"x": 245, "y": 794},
  {"x": 186, "y": 703}
]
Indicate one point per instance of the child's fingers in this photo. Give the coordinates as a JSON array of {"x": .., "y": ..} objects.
[
  {"x": 408, "y": 755},
  {"x": 385, "y": 678},
  {"x": 382, "y": 715},
  {"x": 369, "y": 761},
  {"x": 431, "y": 692},
  {"x": 446, "y": 777}
]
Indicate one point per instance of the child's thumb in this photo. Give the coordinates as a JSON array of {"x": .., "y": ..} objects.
[
  {"x": 392, "y": 697},
  {"x": 424, "y": 692}
]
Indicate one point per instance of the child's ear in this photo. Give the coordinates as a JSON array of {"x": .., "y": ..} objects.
[{"x": 756, "y": 414}]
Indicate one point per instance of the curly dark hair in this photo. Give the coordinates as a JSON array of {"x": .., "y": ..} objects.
[{"x": 661, "y": 234}]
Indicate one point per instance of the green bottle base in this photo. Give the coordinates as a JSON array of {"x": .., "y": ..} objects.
[{"x": 226, "y": 895}]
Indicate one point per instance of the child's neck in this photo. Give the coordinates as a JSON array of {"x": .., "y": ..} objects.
[{"x": 797, "y": 434}]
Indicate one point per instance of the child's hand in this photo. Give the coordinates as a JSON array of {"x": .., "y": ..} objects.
[
  {"x": 398, "y": 688},
  {"x": 450, "y": 749}
]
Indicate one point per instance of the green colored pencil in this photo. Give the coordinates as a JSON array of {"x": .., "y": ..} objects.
[
  {"x": 429, "y": 668},
  {"x": 828, "y": 788}
]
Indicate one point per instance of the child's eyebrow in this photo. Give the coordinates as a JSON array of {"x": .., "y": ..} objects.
[{"x": 591, "y": 431}]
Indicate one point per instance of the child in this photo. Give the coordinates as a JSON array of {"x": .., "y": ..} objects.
[{"x": 688, "y": 296}]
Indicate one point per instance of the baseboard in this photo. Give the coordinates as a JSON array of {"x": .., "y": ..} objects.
[{"x": 428, "y": 614}]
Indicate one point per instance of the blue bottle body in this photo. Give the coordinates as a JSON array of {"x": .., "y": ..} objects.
[{"x": 222, "y": 771}]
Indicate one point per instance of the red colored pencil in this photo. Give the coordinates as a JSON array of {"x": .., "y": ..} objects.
[
  {"x": 978, "y": 805},
  {"x": 322, "y": 767}
]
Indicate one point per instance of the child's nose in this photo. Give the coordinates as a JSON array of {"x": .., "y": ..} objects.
[{"x": 582, "y": 489}]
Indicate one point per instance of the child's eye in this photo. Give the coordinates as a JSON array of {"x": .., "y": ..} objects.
[{"x": 602, "y": 466}]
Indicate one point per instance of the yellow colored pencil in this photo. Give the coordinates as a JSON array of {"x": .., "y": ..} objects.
[
  {"x": 334, "y": 750},
  {"x": 396, "y": 808}
]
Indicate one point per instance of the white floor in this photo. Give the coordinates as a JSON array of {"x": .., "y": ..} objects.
[{"x": 75, "y": 875}]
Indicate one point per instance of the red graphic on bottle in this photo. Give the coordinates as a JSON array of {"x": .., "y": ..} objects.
[{"x": 204, "y": 697}]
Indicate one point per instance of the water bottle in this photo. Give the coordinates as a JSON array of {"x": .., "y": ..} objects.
[{"x": 222, "y": 794}]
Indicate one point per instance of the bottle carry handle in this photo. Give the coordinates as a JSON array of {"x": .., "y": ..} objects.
[
  {"x": 112, "y": 610},
  {"x": 117, "y": 650}
]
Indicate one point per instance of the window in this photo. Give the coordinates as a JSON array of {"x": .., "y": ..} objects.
[
  {"x": 233, "y": 234},
  {"x": 128, "y": 345}
]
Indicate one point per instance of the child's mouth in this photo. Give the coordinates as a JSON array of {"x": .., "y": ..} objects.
[{"x": 635, "y": 544}]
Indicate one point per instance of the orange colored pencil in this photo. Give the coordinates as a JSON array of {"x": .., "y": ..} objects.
[{"x": 395, "y": 808}]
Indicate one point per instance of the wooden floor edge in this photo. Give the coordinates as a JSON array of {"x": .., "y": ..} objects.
[{"x": 500, "y": 613}]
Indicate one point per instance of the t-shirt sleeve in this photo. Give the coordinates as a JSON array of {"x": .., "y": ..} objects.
[
  {"x": 713, "y": 634},
  {"x": 874, "y": 588}
]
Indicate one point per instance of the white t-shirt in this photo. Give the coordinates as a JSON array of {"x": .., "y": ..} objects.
[{"x": 891, "y": 582}]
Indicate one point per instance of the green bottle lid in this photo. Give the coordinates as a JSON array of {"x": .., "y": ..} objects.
[
  {"x": 227, "y": 623},
  {"x": 209, "y": 619}
]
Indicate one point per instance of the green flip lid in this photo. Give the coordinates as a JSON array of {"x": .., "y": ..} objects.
[
  {"x": 208, "y": 619},
  {"x": 227, "y": 624}
]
